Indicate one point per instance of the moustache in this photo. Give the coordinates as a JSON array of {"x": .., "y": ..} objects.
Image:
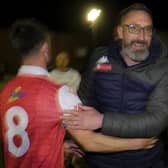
[{"x": 139, "y": 42}]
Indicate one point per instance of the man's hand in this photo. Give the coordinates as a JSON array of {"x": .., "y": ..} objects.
[
  {"x": 70, "y": 148},
  {"x": 83, "y": 117},
  {"x": 143, "y": 143}
]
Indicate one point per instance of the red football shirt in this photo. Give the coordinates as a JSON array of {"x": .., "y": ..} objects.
[{"x": 30, "y": 122}]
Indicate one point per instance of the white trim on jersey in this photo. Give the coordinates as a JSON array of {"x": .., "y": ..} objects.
[
  {"x": 67, "y": 99},
  {"x": 30, "y": 69}
]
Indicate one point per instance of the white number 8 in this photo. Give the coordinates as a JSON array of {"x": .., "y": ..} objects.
[{"x": 17, "y": 129}]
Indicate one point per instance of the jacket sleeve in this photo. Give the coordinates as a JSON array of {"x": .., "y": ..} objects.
[
  {"x": 86, "y": 88},
  {"x": 149, "y": 123}
]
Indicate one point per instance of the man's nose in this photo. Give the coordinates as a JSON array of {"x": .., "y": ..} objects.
[{"x": 141, "y": 34}]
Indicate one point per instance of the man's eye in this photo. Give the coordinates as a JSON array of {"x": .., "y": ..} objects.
[{"x": 133, "y": 28}]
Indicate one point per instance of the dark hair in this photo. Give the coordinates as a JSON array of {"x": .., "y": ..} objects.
[
  {"x": 134, "y": 7},
  {"x": 27, "y": 35}
]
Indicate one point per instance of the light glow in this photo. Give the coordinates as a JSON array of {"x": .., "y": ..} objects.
[{"x": 93, "y": 14}]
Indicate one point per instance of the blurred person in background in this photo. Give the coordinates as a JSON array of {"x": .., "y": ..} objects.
[{"x": 63, "y": 73}]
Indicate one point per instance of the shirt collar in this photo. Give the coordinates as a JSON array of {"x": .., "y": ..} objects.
[{"x": 34, "y": 70}]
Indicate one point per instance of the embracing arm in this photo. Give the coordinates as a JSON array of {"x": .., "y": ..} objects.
[
  {"x": 149, "y": 123},
  {"x": 97, "y": 142}
]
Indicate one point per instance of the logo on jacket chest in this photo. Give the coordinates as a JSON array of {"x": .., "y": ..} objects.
[{"x": 103, "y": 64}]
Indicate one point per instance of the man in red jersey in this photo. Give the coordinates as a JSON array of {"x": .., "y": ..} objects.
[
  {"x": 31, "y": 129},
  {"x": 31, "y": 106}
]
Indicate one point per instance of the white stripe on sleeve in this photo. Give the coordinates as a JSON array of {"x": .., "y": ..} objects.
[{"x": 67, "y": 99}]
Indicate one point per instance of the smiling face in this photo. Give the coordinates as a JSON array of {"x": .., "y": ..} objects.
[{"x": 135, "y": 31}]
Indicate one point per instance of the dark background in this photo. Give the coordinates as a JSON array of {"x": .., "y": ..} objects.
[
  {"x": 69, "y": 15},
  {"x": 67, "y": 20}
]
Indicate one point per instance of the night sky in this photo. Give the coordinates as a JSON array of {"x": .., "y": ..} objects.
[{"x": 69, "y": 15}]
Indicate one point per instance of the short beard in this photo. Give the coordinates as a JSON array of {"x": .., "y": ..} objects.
[{"x": 137, "y": 56}]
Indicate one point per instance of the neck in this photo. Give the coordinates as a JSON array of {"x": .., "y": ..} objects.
[{"x": 35, "y": 61}]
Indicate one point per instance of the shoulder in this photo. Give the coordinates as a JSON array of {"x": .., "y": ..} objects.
[
  {"x": 98, "y": 53},
  {"x": 67, "y": 98}
]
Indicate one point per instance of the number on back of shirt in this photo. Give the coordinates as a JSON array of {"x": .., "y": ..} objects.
[{"x": 17, "y": 137}]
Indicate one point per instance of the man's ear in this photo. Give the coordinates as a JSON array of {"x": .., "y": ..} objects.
[
  {"x": 45, "y": 49},
  {"x": 120, "y": 32}
]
